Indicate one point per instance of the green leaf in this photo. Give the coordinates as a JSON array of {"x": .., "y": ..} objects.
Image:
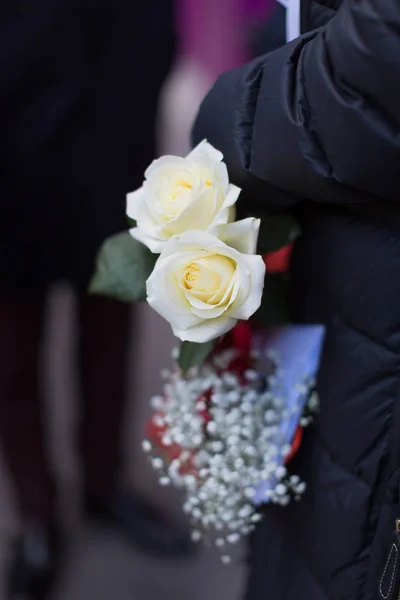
[
  {"x": 192, "y": 354},
  {"x": 131, "y": 222},
  {"x": 122, "y": 268},
  {"x": 277, "y": 231},
  {"x": 274, "y": 309}
]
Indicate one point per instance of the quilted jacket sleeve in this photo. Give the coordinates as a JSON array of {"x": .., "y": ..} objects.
[{"x": 320, "y": 117}]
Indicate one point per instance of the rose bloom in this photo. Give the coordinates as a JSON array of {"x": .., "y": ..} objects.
[
  {"x": 179, "y": 194},
  {"x": 204, "y": 282}
]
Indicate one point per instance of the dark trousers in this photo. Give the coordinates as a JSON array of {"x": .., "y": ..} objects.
[{"x": 102, "y": 352}]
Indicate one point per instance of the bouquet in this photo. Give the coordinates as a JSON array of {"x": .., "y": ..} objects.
[{"x": 220, "y": 427}]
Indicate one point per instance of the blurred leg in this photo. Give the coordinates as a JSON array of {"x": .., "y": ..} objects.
[
  {"x": 105, "y": 328},
  {"x": 21, "y": 422},
  {"x": 104, "y": 338}
]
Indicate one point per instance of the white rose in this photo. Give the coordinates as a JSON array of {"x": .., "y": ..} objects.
[
  {"x": 202, "y": 285},
  {"x": 180, "y": 194}
]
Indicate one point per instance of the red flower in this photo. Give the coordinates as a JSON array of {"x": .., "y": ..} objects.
[
  {"x": 155, "y": 434},
  {"x": 279, "y": 261},
  {"x": 242, "y": 337},
  {"x": 298, "y": 437}
]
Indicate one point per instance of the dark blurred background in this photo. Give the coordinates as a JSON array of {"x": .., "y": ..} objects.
[
  {"x": 100, "y": 563},
  {"x": 94, "y": 154}
]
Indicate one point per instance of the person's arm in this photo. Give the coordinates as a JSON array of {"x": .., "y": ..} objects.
[{"x": 320, "y": 117}]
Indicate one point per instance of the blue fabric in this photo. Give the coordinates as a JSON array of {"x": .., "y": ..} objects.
[{"x": 298, "y": 349}]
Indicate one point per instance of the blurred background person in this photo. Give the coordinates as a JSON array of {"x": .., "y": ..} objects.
[
  {"x": 78, "y": 101},
  {"x": 213, "y": 37},
  {"x": 211, "y": 40},
  {"x": 80, "y": 82}
]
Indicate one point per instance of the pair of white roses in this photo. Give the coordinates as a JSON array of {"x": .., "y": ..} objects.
[{"x": 207, "y": 276}]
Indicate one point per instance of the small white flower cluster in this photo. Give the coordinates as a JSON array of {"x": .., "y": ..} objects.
[{"x": 228, "y": 431}]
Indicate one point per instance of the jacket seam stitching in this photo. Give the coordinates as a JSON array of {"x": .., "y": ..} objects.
[{"x": 379, "y": 497}]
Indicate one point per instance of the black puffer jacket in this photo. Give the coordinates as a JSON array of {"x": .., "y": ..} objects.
[{"x": 315, "y": 126}]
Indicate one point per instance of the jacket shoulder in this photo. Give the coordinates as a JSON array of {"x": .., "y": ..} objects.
[{"x": 316, "y": 13}]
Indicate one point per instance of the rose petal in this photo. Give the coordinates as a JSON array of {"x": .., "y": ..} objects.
[
  {"x": 168, "y": 299},
  {"x": 205, "y": 331},
  {"x": 153, "y": 244},
  {"x": 241, "y": 286},
  {"x": 162, "y": 167},
  {"x": 198, "y": 212},
  {"x": 256, "y": 267},
  {"x": 134, "y": 202},
  {"x": 207, "y": 311},
  {"x": 204, "y": 148},
  {"x": 232, "y": 195},
  {"x": 221, "y": 175},
  {"x": 241, "y": 235},
  {"x": 225, "y": 297},
  {"x": 163, "y": 207},
  {"x": 198, "y": 243},
  {"x": 191, "y": 318},
  {"x": 204, "y": 315},
  {"x": 227, "y": 212}
]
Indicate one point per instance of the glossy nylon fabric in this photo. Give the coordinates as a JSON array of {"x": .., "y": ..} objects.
[{"x": 314, "y": 125}]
